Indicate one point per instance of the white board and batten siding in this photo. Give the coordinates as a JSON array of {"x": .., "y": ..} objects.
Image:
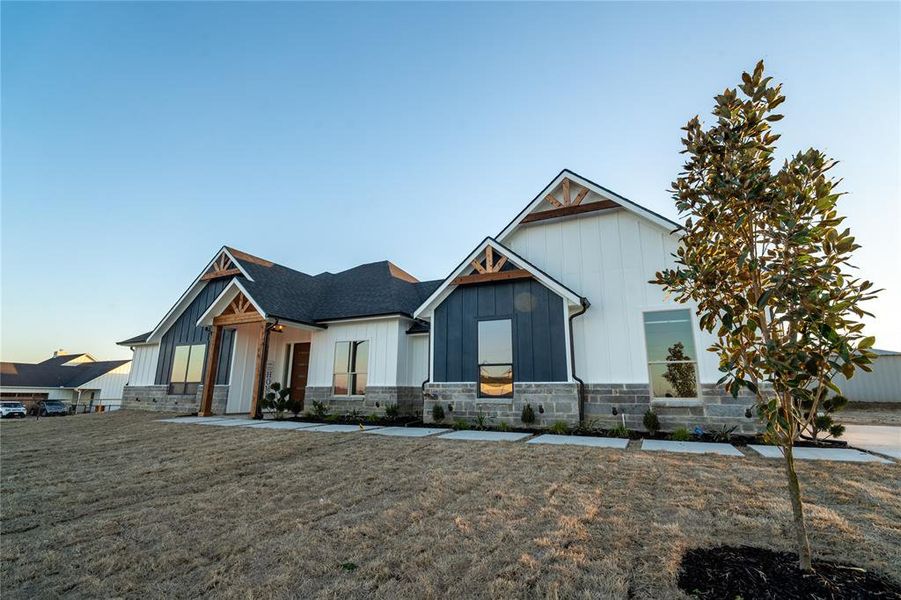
[
  {"x": 608, "y": 257},
  {"x": 393, "y": 359},
  {"x": 109, "y": 386},
  {"x": 143, "y": 365}
]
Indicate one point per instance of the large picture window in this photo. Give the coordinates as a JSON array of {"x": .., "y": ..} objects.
[
  {"x": 351, "y": 367},
  {"x": 187, "y": 369},
  {"x": 496, "y": 359},
  {"x": 672, "y": 361}
]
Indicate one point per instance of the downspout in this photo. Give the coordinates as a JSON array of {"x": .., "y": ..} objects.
[
  {"x": 428, "y": 376},
  {"x": 572, "y": 356}
]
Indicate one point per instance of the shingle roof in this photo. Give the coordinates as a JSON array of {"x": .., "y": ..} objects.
[
  {"x": 54, "y": 373},
  {"x": 138, "y": 339},
  {"x": 373, "y": 289},
  {"x": 368, "y": 290}
]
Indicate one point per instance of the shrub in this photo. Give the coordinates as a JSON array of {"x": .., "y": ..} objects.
[
  {"x": 320, "y": 410},
  {"x": 559, "y": 427},
  {"x": 277, "y": 400},
  {"x": 620, "y": 431},
  {"x": 482, "y": 421},
  {"x": 723, "y": 435},
  {"x": 588, "y": 427},
  {"x": 651, "y": 422},
  {"x": 392, "y": 411},
  {"x": 528, "y": 414},
  {"x": 503, "y": 426},
  {"x": 680, "y": 435},
  {"x": 823, "y": 426},
  {"x": 437, "y": 413},
  {"x": 460, "y": 424}
]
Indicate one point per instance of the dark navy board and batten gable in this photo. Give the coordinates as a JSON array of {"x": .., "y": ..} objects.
[
  {"x": 185, "y": 331},
  {"x": 539, "y": 337}
]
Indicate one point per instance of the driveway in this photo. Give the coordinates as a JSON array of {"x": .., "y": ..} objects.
[{"x": 883, "y": 439}]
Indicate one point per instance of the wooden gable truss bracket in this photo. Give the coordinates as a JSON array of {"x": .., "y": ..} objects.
[
  {"x": 567, "y": 205},
  {"x": 239, "y": 311},
  {"x": 223, "y": 267},
  {"x": 490, "y": 270}
]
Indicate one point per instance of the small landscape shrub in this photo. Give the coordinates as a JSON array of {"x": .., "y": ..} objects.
[
  {"x": 460, "y": 424},
  {"x": 437, "y": 413},
  {"x": 332, "y": 418},
  {"x": 528, "y": 414},
  {"x": 620, "y": 431},
  {"x": 680, "y": 435},
  {"x": 503, "y": 426},
  {"x": 651, "y": 422},
  {"x": 320, "y": 410},
  {"x": 823, "y": 425},
  {"x": 482, "y": 421},
  {"x": 392, "y": 411},
  {"x": 590, "y": 426},
  {"x": 559, "y": 427},
  {"x": 723, "y": 435}
]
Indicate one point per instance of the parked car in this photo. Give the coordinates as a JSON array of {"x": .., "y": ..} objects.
[
  {"x": 10, "y": 410},
  {"x": 50, "y": 408}
]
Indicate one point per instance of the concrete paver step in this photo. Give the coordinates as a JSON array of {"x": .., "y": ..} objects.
[
  {"x": 485, "y": 436},
  {"x": 579, "y": 440},
  {"x": 690, "y": 447},
  {"x": 406, "y": 431},
  {"x": 837, "y": 454}
]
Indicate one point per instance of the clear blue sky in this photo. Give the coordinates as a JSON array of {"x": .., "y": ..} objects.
[{"x": 138, "y": 138}]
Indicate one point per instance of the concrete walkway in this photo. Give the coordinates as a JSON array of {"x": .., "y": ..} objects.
[
  {"x": 690, "y": 447},
  {"x": 580, "y": 440},
  {"x": 485, "y": 436},
  {"x": 836, "y": 454},
  {"x": 407, "y": 431},
  {"x": 881, "y": 440}
]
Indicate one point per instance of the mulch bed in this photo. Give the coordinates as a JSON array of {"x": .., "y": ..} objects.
[{"x": 754, "y": 573}]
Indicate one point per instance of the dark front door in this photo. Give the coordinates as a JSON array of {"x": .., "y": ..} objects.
[{"x": 300, "y": 365}]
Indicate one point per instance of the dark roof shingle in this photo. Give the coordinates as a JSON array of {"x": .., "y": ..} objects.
[{"x": 54, "y": 373}]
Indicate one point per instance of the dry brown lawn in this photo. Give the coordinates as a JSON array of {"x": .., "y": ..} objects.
[{"x": 119, "y": 505}]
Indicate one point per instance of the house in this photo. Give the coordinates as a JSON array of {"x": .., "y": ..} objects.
[
  {"x": 345, "y": 339},
  {"x": 555, "y": 311},
  {"x": 77, "y": 379},
  {"x": 880, "y": 386}
]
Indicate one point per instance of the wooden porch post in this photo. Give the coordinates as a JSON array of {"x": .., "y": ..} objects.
[
  {"x": 209, "y": 378},
  {"x": 256, "y": 411}
]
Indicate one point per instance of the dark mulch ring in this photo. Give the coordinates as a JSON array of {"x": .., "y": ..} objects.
[{"x": 728, "y": 572}]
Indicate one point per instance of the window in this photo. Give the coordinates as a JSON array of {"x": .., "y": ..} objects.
[
  {"x": 671, "y": 354},
  {"x": 187, "y": 369},
  {"x": 496, "y": 359},
  {"x": 351, "y": 366}
]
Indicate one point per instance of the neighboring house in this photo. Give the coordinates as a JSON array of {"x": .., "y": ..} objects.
[
  {"x": 555, "y": 311},
  {"x": 77, "y": 379},
  {"x": 882, "y": 385}
]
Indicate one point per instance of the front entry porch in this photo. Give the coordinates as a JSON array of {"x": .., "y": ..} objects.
[{"x": 264, "y": 351}]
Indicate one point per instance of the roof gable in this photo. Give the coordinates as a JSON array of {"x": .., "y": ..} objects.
[
  {"x": 224, "y": 264},
  {"x": 492, "y": 261},
  {"x": 570, "y": 194}
]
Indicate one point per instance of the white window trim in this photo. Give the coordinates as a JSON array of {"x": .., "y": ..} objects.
[
  {"x": 349, "y": 373},
  {"x": 697, "y": 400}
]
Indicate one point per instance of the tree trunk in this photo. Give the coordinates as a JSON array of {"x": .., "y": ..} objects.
[{"x": 794, "y": 490}]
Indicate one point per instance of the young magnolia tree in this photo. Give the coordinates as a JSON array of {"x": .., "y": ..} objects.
[{"x": 763, "y": 255}]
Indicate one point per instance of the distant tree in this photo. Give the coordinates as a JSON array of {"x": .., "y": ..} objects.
[{"x": 763, "y": 257}]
